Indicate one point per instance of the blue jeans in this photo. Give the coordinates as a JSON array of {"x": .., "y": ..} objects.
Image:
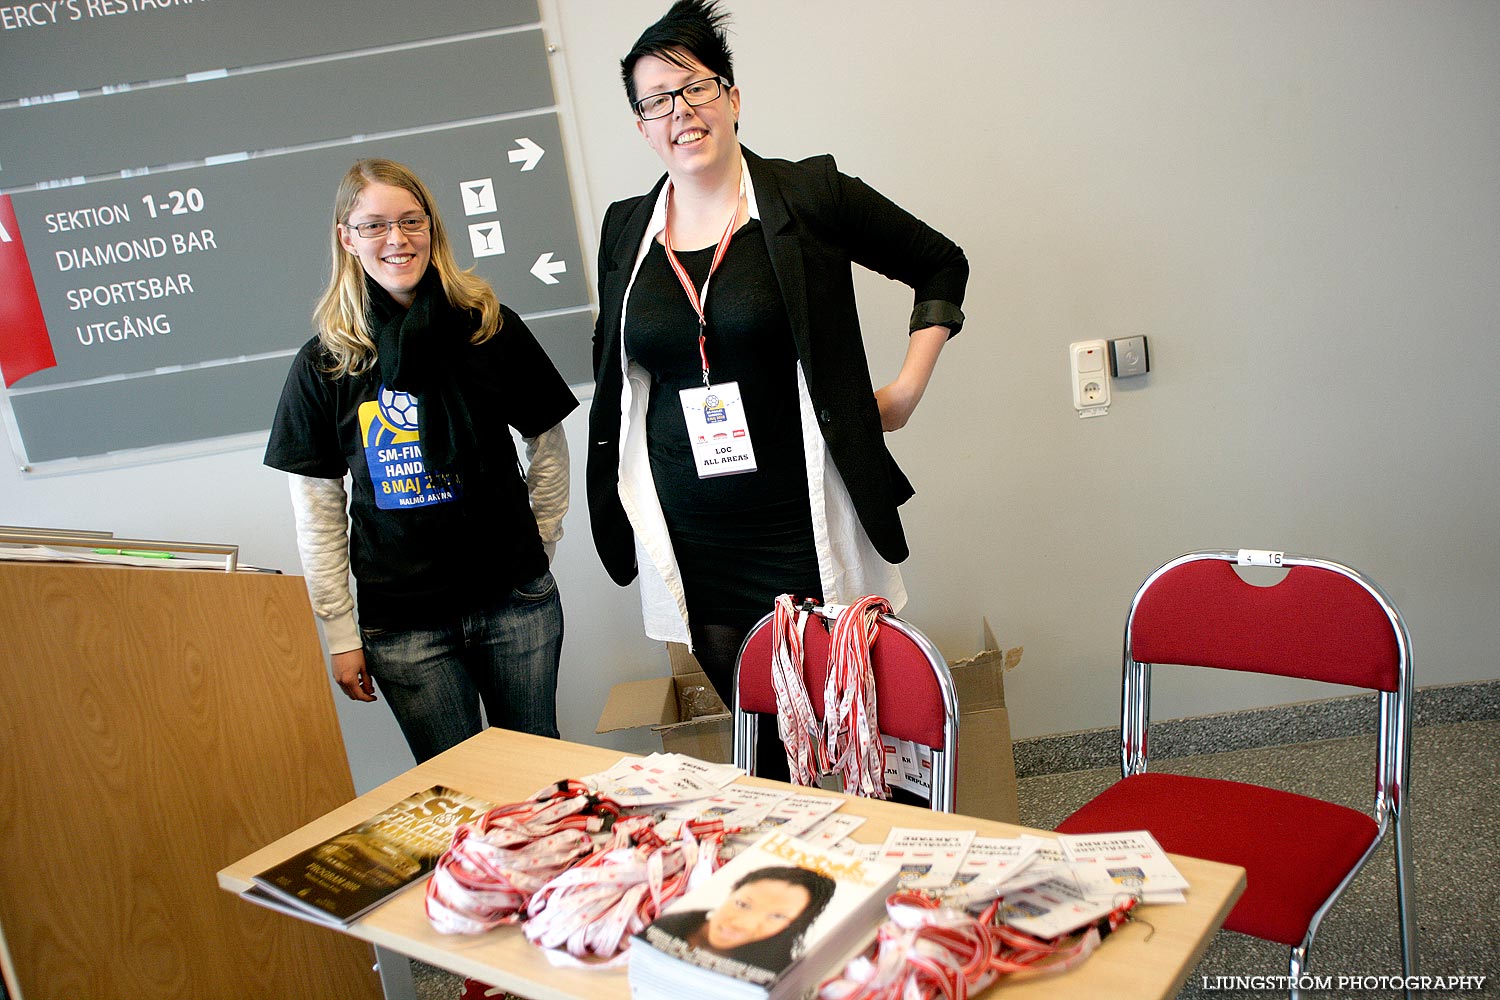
[{"x": 505, "y": 656}]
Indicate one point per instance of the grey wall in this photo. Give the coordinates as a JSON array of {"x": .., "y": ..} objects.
[{"x": 1298, "y": 203}]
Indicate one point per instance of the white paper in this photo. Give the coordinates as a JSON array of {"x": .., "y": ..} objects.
[
  {"x": 1051, "y": 909},
  {"x": 738, "y": 806},
  {"x": 717, "y": 429},
  {"x": 1131, "y": 862},
  {"x": 928, "y": 859},
  {"x": 716, "y": 774},
  {"x": 833, "y": 830},
  {"x": 994, "y": 865},
  {"x": 636, "y": 781},
  {"x": 797, "y": 814}
]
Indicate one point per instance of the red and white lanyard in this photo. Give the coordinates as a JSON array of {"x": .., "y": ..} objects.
[
  {"x": 850, "y": 733},
  {"x": 495, "y": 863},
  {"x": 847, "y": 739},
  {"x": 699, "y": 300},
  {"x": 925, "y": 951},
  {"x": 799, "y": 726},
  {"x": 586, "y": 915},
  {"x": 582, "y": 876}
]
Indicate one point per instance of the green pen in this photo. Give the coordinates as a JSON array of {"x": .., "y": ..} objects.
[{"x": 139, "y": 553}]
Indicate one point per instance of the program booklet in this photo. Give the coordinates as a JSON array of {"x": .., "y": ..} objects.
[
  {"x": 342, "y": 878},
  {"x": 927, "y": 859},
  {"x": 1131, "y": 862},
  {"x": 994, "y": 866},
  {"x": 774, "y": 922}
]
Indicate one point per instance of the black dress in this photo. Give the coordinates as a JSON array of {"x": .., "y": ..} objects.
[{"x": 740, "y": 540}]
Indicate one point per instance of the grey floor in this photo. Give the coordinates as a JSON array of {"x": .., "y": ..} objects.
[
  {"x": 1455, "y": 815},
  {"x": 1455, "y": 812}
]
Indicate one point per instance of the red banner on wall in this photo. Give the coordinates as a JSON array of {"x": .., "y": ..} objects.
[{"x": 25, "y": 346}]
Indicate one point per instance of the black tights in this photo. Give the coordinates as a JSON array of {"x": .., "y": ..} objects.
[{"x": 717, "y": 647}]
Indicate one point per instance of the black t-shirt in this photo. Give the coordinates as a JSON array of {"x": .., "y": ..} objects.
[
  {"x": 749, "y": 340},
  {"x": 418, "y": 549}
]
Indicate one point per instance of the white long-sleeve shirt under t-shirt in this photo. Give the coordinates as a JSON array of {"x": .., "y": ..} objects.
[{"x": 319, "y": 508}]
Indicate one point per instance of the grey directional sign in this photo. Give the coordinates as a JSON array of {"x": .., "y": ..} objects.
[
  {"x": 177, "y": 235},
  {"x": 57, "y": 46},
  {"x": 224, "y": 261},
  {"x": 329, "y": 100}
]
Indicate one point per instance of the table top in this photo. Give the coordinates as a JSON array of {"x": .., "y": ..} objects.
[{"x": 1150, "y": 958}]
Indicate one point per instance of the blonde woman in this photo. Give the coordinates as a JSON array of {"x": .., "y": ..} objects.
[{"x": 410, "y": 389}]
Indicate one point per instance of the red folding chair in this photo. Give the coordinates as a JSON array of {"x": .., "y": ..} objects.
[
  {"x": 914, "y": 692},
  {"x": 1323, "y": 621}
]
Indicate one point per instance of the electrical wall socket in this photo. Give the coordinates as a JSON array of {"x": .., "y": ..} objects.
[{"x": 1090, "y": 377}]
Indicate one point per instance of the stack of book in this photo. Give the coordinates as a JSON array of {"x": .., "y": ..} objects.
[
  {"x": 343, "y": 878},
  {"x": 774, "y": 922}
]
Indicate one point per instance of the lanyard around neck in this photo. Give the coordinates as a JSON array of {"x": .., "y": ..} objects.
[{"x": 699, "y": 299}]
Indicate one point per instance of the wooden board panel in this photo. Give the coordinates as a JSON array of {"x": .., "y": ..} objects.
[{"x": 157, "y": 724}]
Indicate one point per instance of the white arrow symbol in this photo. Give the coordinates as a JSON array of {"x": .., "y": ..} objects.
[
  {"x": 530, "y": 152},
  {"x": 545, "y": 267}
]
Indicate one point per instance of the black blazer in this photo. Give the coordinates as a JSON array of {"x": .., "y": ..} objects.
[{"x": 817, "y": 222}]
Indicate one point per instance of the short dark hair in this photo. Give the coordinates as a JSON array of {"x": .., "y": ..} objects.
[{"x": 692, "y": 26}]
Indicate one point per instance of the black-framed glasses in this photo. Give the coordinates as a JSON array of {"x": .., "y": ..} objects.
[
  {"x": 660, "y": 105},
  {"x": 411, "y": 225}
]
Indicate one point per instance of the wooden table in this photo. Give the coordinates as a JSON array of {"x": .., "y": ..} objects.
[{"x": 1138, "y": 961}]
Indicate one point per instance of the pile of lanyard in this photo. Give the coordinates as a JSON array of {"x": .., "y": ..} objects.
[
  {"x": 846, "y": 741},
  {"x": 582, "y": 876},
  {"x": 849, "y": 716},
  {"x": 586, "y": 915},
  {"x": 497, "y": 862},
  {"x": 927, "y": 951}
]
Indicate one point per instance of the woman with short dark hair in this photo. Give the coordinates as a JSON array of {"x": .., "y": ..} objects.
[{"x": 736, "y": 448}]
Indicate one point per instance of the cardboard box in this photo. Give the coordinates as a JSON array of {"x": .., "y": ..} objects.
[
  {"x": 684, "y": 710},
  {"x": 986, "y": 761}
]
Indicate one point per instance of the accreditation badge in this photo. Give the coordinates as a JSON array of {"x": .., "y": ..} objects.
[{"x": 717, "y": 429}]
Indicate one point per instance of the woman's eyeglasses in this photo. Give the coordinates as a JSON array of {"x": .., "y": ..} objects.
[
  {"x": 660, "y": 105},
  {"x": 411, "y": 226}
]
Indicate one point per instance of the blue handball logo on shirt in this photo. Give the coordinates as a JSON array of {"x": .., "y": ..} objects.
[
  {"x": 713, "y": 410},
  {"x": 393, "y": 454},
  {"x": 399, "y": 409}
]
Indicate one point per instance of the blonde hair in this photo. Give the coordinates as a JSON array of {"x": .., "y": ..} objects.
[{"x": 341, "y": 317}]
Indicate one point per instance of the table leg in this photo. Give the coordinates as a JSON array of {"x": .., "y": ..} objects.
[{"x": 395, "y": 974}]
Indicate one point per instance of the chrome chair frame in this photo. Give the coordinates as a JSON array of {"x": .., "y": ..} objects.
[
  {"x": 1393, "y": 766},
  {"x": 944, "y": 760}
]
